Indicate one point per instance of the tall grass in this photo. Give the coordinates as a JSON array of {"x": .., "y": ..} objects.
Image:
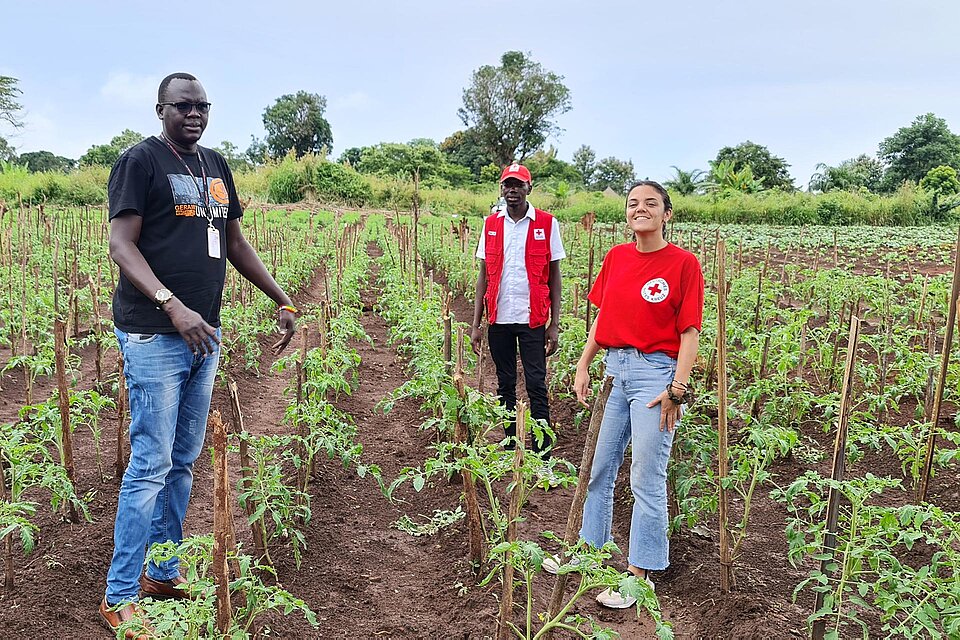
[{"x": 314, "y": 178}]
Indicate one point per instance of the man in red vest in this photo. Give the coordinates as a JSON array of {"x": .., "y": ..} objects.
[{"x": 519, "y": 285}]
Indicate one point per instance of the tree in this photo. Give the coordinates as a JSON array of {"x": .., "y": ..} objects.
[
  {"x": 38, "y": 161},
  {"x": 613, "y": 173},
  {"x": 464, "y": 148},
  {"x": 545, "y": 165},
  {"x": 862, "y": 172},
  {"x": 295, "y": 121},
  {"x": 7, "y": 153},
  {"x": 257, "y": 153},
  {"x": 686, "y": 182},
  {"x": 9, "y": 105},
  {"x": 726, "y": 179},
  {"x": 912, "y": 151},
  {"x": 585, "y": 162},
  {"x": 236, "y": 160},
  {"x": 512, "y": 107},
  {"x": 941, "y": 180},
  {"x": 351, "y": 156},
  {"x": 391, "y": 159},
  {"x": 766, "y": 167},
  {"x": 105, "y": 155}
]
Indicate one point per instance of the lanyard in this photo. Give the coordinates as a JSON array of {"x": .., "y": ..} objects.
[{"x": 204, "y": 196}]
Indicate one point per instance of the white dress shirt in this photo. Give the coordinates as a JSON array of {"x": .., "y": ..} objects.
[{"x": 513, "y": 299}]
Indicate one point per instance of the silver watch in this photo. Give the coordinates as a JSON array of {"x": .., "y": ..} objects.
[{"x": 162, "y": 296}]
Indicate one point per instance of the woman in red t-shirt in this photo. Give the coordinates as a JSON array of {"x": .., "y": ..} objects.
[{"x": 650, "y": 296}]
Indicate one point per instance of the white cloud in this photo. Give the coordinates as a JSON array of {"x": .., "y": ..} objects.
[{"x": 130, "y": 90}]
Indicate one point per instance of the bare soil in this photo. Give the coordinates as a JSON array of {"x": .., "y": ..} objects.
[{"x": 366, "y": 579}]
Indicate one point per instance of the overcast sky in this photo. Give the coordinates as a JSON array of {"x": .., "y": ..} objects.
[{"x": 661, "y": 84}]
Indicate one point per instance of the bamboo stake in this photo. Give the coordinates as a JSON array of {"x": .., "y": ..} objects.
[
  {"x": 221, "y": 518},
  {"x": 66, "y": 436},
  {"x": 474, "y": 522},
  {"x": 504, "y": 632},
  {"x": 575, "y": 515},
  {"x": 726, "y": 551},
  {"x": 839, "y": 466},
  {"x": 924, "y": 483}
]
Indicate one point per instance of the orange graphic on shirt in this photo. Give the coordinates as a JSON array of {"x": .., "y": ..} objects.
[{"x": 218, "y": 190}]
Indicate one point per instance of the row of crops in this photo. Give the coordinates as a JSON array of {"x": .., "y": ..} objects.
[{"x": 790, "y": 297}]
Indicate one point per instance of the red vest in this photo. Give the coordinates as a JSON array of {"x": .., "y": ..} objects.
[{"x": 537, "y": 260}]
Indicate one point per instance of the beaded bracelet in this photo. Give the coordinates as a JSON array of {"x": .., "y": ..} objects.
[
  {"x": 288, "y": 307},
  {"x": 686, "y": 398}
]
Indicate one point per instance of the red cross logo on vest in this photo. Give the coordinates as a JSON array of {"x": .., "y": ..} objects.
[{"x": 655, "y": 290}]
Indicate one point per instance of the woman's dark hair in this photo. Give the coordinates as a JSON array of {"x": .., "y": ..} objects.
[{"x": 667, "y": 205}]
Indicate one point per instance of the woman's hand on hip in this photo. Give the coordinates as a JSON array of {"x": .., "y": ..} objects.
[{"x": 670, "y": 411}]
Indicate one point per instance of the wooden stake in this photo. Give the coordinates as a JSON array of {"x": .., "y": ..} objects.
[
  {"x": 575, "y": 515},
  {"x": 924, "y": 483},
  {"x": 839, "y": 465},
  {"x": 66, "y": 435},
  {"x": 726, "y": 549},
  {"x": 9, "y": 576},
  {"x": 221, "y": 517},
  {"x": 504, "y": 632},
  {"x": 474, "y": 522},
  {"x": 246, "y": 472}
]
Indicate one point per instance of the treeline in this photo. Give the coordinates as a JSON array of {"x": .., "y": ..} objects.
[{"x": 315, "y": 181}]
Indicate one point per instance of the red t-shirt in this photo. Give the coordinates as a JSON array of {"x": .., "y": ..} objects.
[{"x": 647, "y": 300}]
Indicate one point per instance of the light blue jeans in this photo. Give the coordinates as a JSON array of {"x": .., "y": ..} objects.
[
  {"x": 170, "y": 390},
  {"x": 638, "y": 379}
]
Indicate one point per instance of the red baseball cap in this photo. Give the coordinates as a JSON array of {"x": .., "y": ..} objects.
[{"x": 517, "y": 171}]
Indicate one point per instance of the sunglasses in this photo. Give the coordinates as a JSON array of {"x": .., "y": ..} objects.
[{"x": 186, "y": 107}]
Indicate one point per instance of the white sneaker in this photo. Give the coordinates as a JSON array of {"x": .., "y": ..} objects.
[
  {"x": 552, "y": 564},
  {"x": 616, "y": 600}
]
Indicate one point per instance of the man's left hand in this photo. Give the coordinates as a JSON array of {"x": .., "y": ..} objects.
[
  {"x": 552, "y": 342},
  {"x": 288, "y": 325}
]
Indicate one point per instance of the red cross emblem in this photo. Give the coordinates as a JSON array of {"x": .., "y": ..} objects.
[{"x": 654, "y": 290}]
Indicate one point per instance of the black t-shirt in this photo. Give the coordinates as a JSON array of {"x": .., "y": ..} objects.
[{"x": 150, "y": 181}]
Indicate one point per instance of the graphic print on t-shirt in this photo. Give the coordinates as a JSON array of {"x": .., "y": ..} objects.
[
  {"x": 656, "y": 290},
  {"x": 186, "y": 196}
]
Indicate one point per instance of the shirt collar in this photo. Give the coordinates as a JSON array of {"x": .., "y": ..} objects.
[{"x": 531, "y": 213}]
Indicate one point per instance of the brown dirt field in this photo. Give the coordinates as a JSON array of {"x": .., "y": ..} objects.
[{"x": 368, "y": 580}]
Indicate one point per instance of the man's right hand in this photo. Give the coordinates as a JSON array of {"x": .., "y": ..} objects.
[
  {"x": 476, "y": 339},
  {"x": 199, "y": 336}
]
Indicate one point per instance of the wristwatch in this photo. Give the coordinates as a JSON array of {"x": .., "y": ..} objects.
[{"x": 162, "y": 296}]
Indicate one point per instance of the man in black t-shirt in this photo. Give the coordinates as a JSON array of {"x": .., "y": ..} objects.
[{"x": 174, "y": 222}]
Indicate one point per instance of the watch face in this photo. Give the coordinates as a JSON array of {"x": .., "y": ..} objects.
[{"x": 162, "y": 295}]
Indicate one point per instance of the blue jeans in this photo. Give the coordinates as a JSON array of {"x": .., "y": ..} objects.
[
  {"x": 170, "y": 390},
  {"x": 638, "y": 379}
]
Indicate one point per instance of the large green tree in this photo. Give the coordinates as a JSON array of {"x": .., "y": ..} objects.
[
  {"x": 9, "y": 104},
  {"x": 105, "y": 155},
  {"x": 295, "y": 121},
  {"x": 464, "y": 148},
  {"x": 862, "y": 172},
  {"x": 613, "y": 173},
  {"x": 513, "y": 107},
  {"x": 769, "y": 169},
  {"x": 585, "y": 162},
  {"x": 38, "y": 161},
  {"x": 913, "y": 150}
]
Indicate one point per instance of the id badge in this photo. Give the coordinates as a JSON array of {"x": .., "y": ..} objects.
[{"x": 213, "y": 242}]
